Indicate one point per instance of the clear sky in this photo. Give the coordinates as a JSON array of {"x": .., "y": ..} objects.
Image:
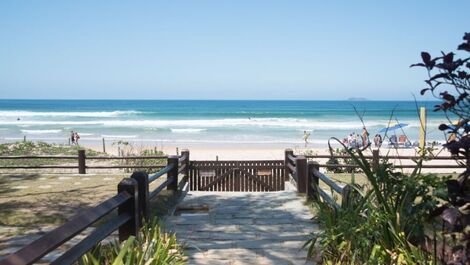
[{"x": 222, "y": 49}]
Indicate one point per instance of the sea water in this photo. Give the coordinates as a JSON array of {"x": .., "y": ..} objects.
[{"x": 209, "y": 122}]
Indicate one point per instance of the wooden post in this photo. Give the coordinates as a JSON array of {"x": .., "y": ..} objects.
[
  {"x": 312, "y": 180},
  {"x": 81, "y": 161},
  {"x": 301, "y": 171},
  {"x": 69, "y": 142},
  {"x": 131, "y": 227},
  {"x": 173, "y": 173},
  {"x": 422, "y": 131},
  {"x": 177, "y": 151},
  {"x": 185, "y": 152},
  {"x": 287, "y": 152},
  {"x": 24, "y": 138},
  {"x": 104, "y": 146},
  {"x": 375, "y": 160},
  {"x": 142, "y": 179}
]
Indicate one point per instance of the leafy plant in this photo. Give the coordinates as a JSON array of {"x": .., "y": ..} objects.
[
  {"x": 449, "y": 82},
  {"x": 152, "y": 247},
  {"x": 387, "y": 223}
]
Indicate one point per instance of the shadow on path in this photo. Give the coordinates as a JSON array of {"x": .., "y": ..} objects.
[{"x": 243, "y": 228}]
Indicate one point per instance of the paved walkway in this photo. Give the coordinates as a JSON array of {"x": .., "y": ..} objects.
[{"x": 243, "y": 228}]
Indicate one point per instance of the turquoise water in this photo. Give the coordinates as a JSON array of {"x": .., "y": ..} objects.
[{"x": 211, "y": 122}]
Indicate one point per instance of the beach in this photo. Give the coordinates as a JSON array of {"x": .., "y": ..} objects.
[{"x": 215, "y": 129}]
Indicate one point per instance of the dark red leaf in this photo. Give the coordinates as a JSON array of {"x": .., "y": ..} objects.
[
  {"x": 418, "y": 64},
  {"x": 442, "y": 75},
  {"x": 466, "y": 36},
  {"x": 449, "y": 58},
  {"x": 464, "y": 46},
  {"x": 426, "y": 57},
  {"x": 424, "y": 91}
]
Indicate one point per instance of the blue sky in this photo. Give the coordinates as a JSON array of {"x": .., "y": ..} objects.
[{"x": 222, "y": 49}]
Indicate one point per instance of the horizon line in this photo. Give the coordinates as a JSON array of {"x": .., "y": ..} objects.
[{"x": 141, "y": 99}]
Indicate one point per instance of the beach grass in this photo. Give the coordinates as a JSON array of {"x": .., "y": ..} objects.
[{"x": 29, "y": 148}]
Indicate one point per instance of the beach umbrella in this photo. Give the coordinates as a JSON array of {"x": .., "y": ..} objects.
[
  {"x": 393, "y": 128},
  {"x": 464, "y": 126}
]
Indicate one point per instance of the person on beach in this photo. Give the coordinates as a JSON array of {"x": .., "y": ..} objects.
[
  {"x": 365, "y": 137},
  {"x": 77, "y": 137},
  {"x": 378, "y": 140},
  {"x": 306, "y": 136},
  {"x": 72, "y": 137}
]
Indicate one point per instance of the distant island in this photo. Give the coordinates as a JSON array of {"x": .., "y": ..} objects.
[{"x": 357, "y": 99}]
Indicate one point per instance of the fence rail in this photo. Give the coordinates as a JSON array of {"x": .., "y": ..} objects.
[
  {"x": 132, "y": 201},
  {"x": 375, "y": 159},
  {"x": 306, "y": 176},
  {"x": 81, "y": 159}
]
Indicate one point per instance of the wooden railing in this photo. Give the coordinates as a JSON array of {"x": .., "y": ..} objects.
[
  {"x": 132, "y": 202},
  {"x": 306, "y": 175},
  {"x": 81, "y": 162},
  {"x": 376, "y": 157}
]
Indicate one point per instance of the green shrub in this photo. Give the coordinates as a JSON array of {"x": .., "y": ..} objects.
[
  {"x": 28, "y": 148},
  {"x": 388, "y": 222},
  {"x": 152, "y": 247}
]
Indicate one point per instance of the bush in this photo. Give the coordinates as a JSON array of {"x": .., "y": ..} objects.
[
  {"x": 388, "y": 222},
  {"x": 151, "y": 247},
  {"x": 449, "y": 82}
]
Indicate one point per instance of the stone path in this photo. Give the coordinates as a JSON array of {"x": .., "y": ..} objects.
[{"x": 243, "y": 228}]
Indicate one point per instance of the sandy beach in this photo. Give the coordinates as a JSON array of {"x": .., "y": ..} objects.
[{"x": 277, "y": 153}]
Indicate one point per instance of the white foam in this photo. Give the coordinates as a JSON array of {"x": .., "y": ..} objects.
[
  {"x": 292, "y": 123},
  {"x": 21, "y": 113},
  {"x": 41, "y": 131},
  {"x": 119, "y": 136},
  {"x": 189, "y": 130}
]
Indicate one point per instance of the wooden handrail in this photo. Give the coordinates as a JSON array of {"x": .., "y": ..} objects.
[
  {"x": 291, "y": 168},
  {"x": 182, "y": 168},
  {"x": 38, "y": 157},
  {"x": 126, "y": 157},
  {"x": 157, "y": 190},
  {"x": 50, "y": 241},
  {"x": 396, "y": 166},
  {"x": 292, "y": 158},
  {"x": 100, "y": 233},
  {"x": 328, "y": 198},
  {"x": 386, "y": 157},
  {"x": 328, "y": 181},
  {"x": 160, "y": 173},
  {"x": 132, "y": 202},
  {"x": 76, "y": 157}
]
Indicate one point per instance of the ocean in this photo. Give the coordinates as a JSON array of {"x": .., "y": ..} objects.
[{"x": 207, "y": 122}]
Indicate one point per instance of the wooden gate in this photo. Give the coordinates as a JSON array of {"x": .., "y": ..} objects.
[{"x": 263, "y": 175}]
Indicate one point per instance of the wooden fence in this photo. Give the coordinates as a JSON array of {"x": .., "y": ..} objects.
[
  {"x": 81, "y": 162},
  {"x": 376, "y": 157},
  {"x": 306, "y": 175},
  {"x": 132, "y": 204},
  {"x": 256, "y": 175}
]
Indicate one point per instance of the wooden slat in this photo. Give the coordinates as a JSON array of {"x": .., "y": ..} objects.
[{"x": 50, "y": 241}]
